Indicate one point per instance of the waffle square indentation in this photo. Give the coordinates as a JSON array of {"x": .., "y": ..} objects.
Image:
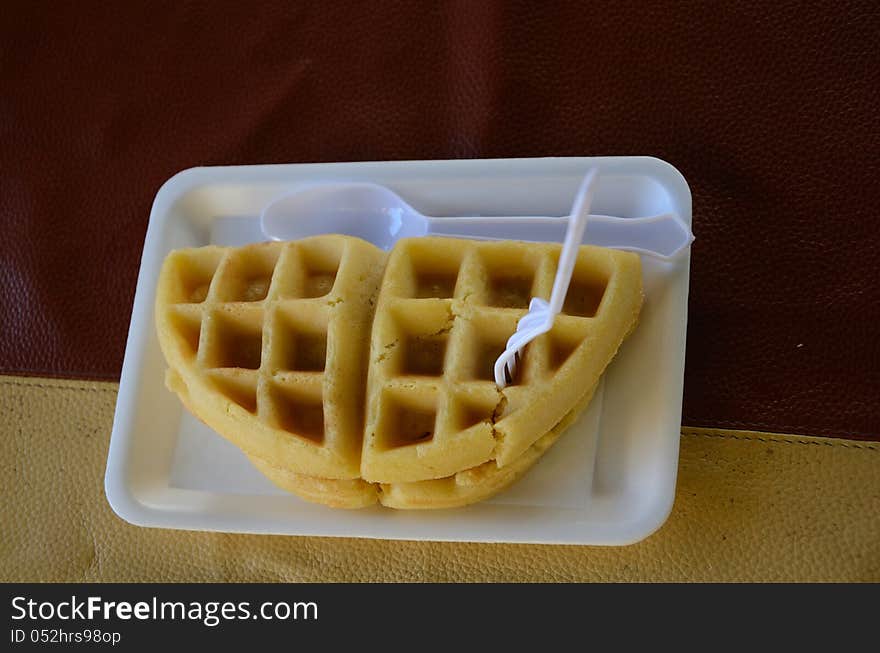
[
  {"x": 299, "y": 340},
  {"x": 406, "y": 419},
  {"x": 415, "y": 338},
  {"x": 467, "y": 411},
  {"x": 187, "y": 325},
  {"x": 195, "y": 271},
  {"x": 432, "y": 271},
  {"x": 560, "y": 350},
  {"x": 440, "y": 285},
  {"x": 234, "y": 341},
  {"x": 239, "y": 388},
  {"x": 247, "y": 273},
  {"x": 424, "y": 355},
  {"x": 586, "y": 290},
  {"x": 320, "y": 264},
  {"x": 510, "y": 276},
  {"x": 297, "y": 412}
]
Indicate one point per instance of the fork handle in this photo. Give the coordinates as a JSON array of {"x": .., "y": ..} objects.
[{"x": 574, "y": 235}]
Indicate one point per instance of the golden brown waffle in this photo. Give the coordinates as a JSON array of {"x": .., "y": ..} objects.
[
  {"x": 446, "y": 309},
  {"x": 269, "y": 344}
]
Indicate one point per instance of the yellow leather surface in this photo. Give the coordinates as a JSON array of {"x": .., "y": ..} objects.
[{"x": 749, "y": 506}]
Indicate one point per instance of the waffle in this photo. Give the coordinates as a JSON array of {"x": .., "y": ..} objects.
[
  {"x": 445, "y": 311},
  {"x": 349, "y": 381},
  {"x": 267, "y": 345}
]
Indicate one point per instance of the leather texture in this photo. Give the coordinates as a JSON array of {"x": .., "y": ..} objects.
[
  {"x": 749, "y": 507},
  {"x": 768, "y": 109}
]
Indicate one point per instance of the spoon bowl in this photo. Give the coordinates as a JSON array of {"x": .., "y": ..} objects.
[{"x": 369, "y": 211}]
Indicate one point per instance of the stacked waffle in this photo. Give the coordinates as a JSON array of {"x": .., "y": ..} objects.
[{"x": 350, "y": 377}]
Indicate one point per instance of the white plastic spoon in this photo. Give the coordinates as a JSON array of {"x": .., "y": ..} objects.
[{"x": 378, "y": 215}]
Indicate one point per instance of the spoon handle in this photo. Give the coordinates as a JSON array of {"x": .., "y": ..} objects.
[
  {"x": 537, "y": 229},
  {"x": 662, "y": 236}
]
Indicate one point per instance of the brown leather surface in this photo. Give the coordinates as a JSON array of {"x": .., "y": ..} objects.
[
  {"x": 769, "y": 110},
  {"x": 748, "y": 507}
]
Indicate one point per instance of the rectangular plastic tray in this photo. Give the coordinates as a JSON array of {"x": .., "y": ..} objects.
[{"x": 609, "y": 480}]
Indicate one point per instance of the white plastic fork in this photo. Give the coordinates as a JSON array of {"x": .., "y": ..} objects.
[{"x": 541, "y": 314}]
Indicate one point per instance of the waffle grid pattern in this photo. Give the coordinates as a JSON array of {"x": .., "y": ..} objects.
[
  {"x": 257, "y": 321},
  {"x": 445, "y": 312}
]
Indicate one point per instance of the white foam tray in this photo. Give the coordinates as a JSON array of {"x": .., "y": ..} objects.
[{"x": 609, "y": 480}]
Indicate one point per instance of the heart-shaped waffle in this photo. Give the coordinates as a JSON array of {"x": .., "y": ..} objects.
[{"x": 349, "y": 376}]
